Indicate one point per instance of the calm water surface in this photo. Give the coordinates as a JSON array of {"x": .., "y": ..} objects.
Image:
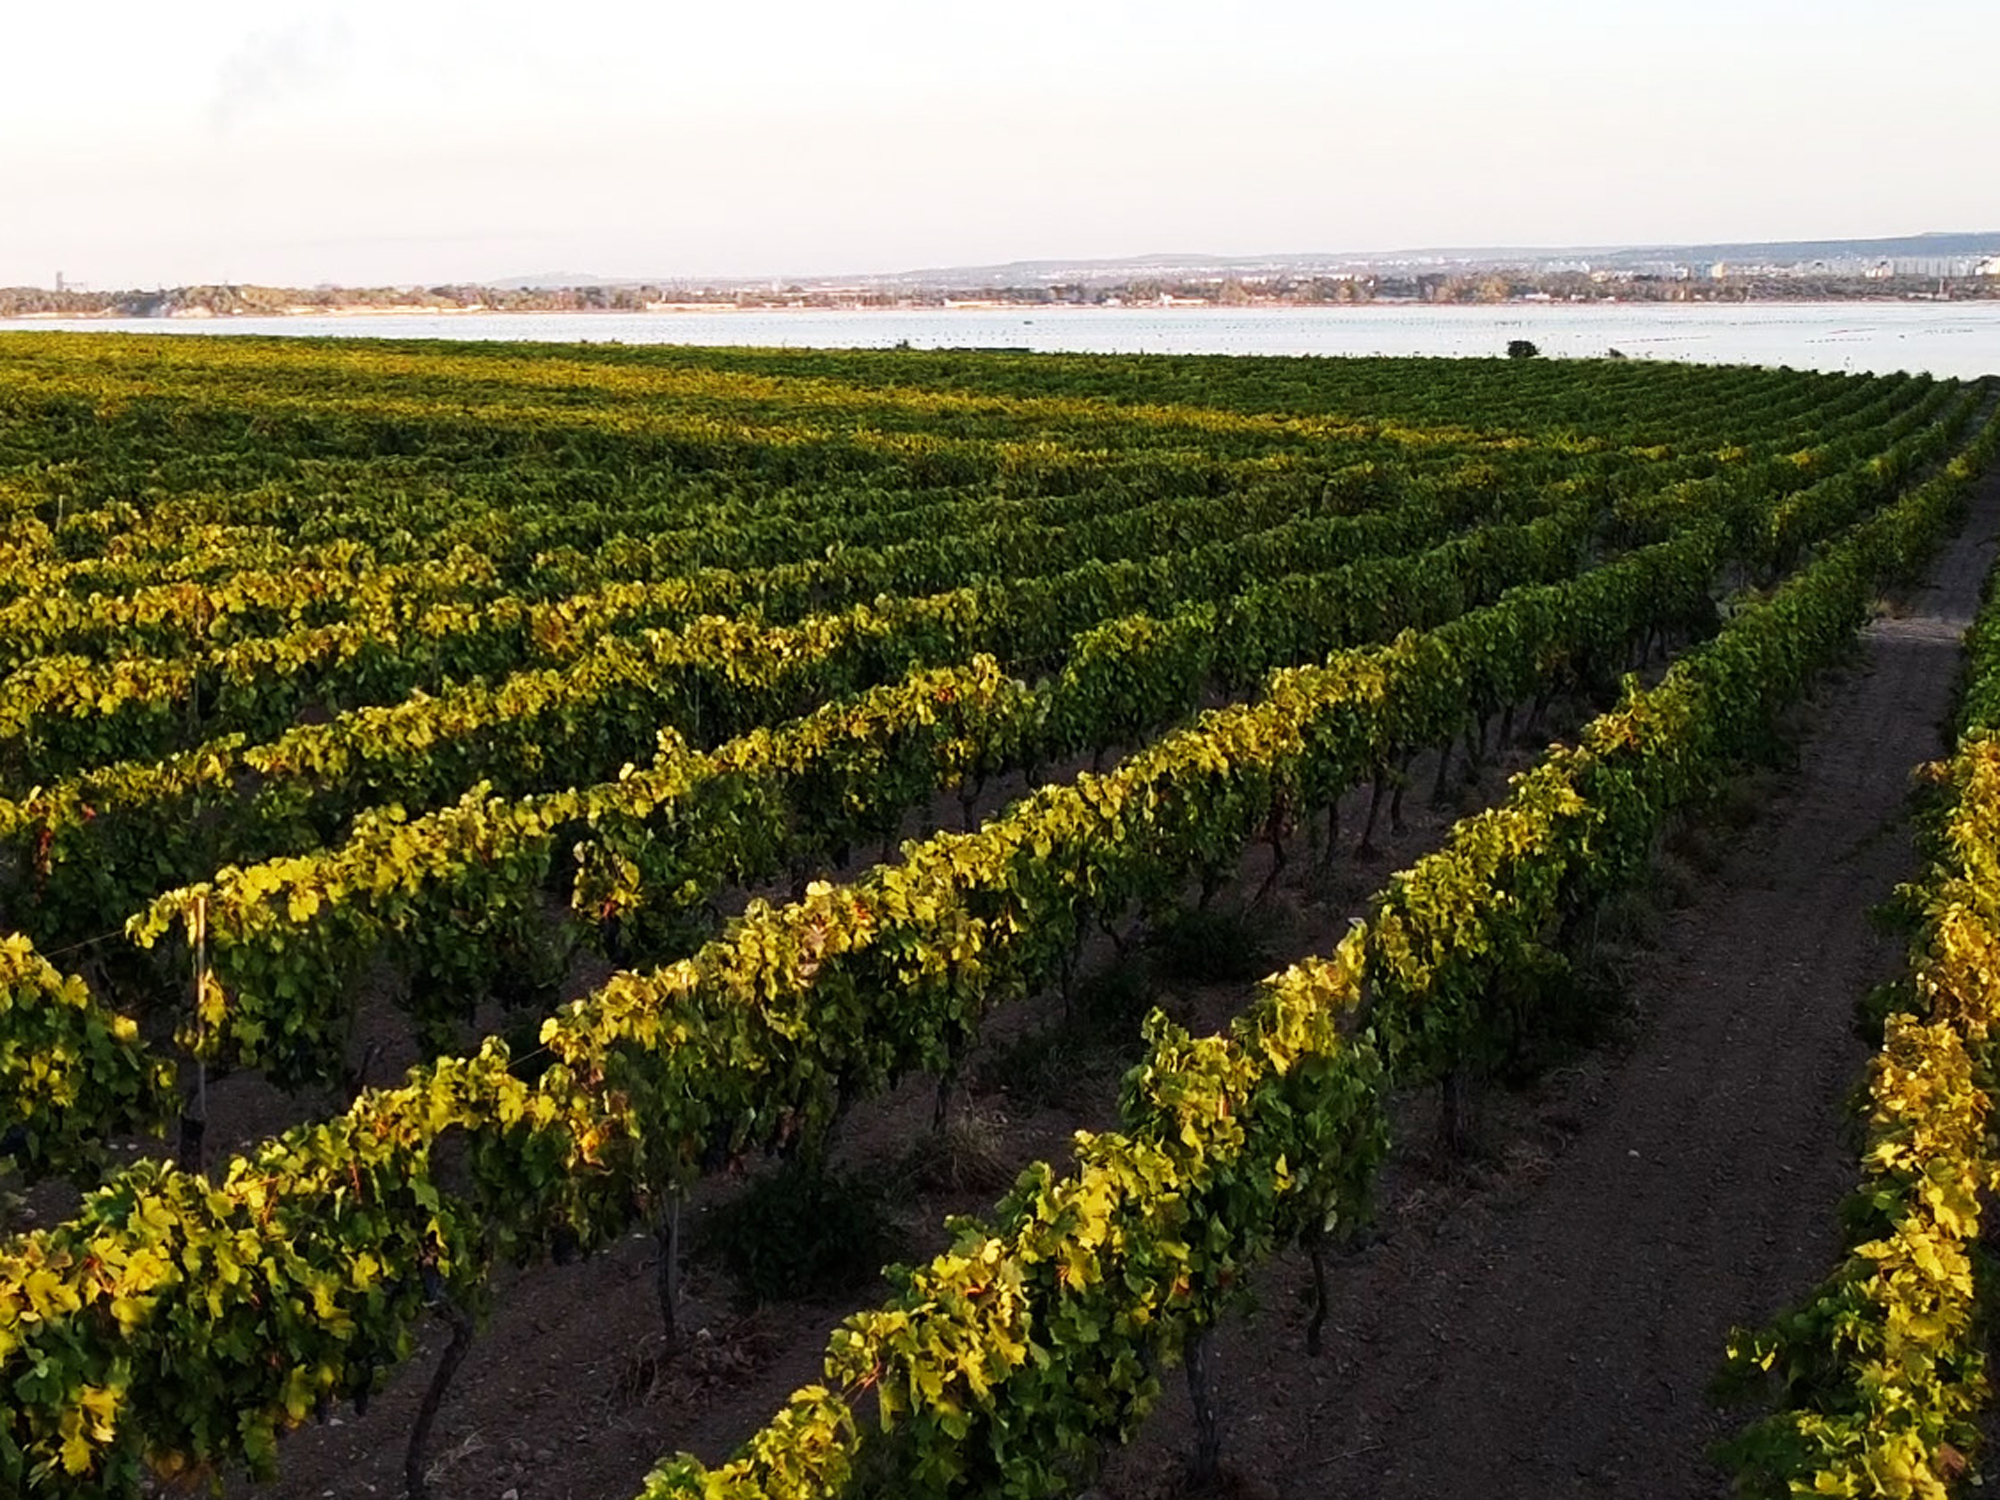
[{"x": 1961, "y": 339}]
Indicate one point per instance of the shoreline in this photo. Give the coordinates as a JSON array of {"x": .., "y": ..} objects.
[
  {"x": 1525, "y": 307},
  {"x": 1955, "y": 341}
]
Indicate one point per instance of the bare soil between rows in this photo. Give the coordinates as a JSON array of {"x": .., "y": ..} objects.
[
  {"x": 1541, "y": 1321},
  {"x": 1552, "y": 1328},
  {"x": 566, "y": 1395}
]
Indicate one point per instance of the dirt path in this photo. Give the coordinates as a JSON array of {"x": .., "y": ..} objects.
[{"x": 1558, "y": 1339}]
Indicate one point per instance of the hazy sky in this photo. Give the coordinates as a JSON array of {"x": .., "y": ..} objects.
[{"x": 422, "y": 140}]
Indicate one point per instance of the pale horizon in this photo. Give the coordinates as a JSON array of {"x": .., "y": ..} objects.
[{"x": 368, "y": 143}]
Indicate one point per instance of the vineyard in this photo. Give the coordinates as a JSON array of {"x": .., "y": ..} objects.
[{"x": 523, "y": 832}]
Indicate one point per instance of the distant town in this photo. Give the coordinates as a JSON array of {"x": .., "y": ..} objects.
[{"x": 1949, "y": 267}]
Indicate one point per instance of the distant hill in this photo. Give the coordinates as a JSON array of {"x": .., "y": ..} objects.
[
  {"x": 543, "y": 281},
  {"x": 1610, "y": 257},
  {"x": 1102, "y": 270},
  {"x": 1794, "y": 252}
]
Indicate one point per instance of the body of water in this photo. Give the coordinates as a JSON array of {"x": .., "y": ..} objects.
[{"x": 1949, "y": 338}]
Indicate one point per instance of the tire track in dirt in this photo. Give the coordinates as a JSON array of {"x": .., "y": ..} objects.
[{"x": 1563, "y": 1344}]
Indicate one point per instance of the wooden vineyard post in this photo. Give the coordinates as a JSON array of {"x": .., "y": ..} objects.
[
  {"x": 194, "y": 1119},
  {"x": 667, "y": 1282},
  {"x": 1201, "y": 1394}
]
